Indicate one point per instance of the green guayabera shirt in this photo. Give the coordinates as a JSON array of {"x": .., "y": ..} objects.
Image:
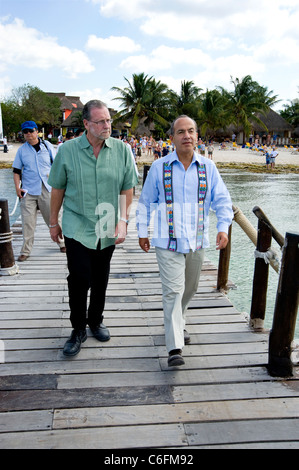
[{"x": 92, "y": 188}]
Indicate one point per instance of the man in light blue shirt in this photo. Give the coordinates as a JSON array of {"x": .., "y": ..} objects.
[
  {"x": 32, "y": 166},
  {"x": 181, "y": 188}
]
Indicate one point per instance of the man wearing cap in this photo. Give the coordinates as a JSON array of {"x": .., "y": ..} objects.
[{"x": 31, "y": 168}]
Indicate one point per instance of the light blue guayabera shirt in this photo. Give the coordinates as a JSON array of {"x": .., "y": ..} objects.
[
  {"x": 35, "y": 166},
  {"x": 92, "y": 188},
  {"x": 185, "y": 203}
]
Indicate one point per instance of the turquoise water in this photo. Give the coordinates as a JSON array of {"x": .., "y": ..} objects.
[
  {"x": 7, "y": 191},
  {"x": 278, "y": 197}
]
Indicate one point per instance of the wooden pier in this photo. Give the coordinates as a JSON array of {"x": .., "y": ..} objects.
[{"x": 121, "y": 394}]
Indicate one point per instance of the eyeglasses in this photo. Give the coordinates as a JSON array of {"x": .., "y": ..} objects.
[
  {"x": 103, "y": 122},
  {"x": 25, "y": 131}
]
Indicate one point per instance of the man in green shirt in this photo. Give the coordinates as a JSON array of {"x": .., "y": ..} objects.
[{"x": 93, "y": 176}]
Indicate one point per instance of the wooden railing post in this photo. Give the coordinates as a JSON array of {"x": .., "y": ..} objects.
[
  {"x": 262, "y": 216},
  {"x": 285, "y": 314},
  {"x": 146, "y": 169},
  {"x": 223, "y": 265},
  {"x": 7, "y": 259},
  {"x": 260, "y": 279}
]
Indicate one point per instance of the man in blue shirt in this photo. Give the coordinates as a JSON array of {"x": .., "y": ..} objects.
[
  {"x": 32, "y": 166},
  {"x": 181, "y": 188}
]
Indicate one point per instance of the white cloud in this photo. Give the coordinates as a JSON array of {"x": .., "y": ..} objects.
[
  {"x": 164, "y": 58},
  {"x": 5, "y": 86},
  {"x": 88, "y": 94},
  {"x": 131, "y": 10},
  {"x": 222, "y": 69},
  {"x": 112, "y": 44},
  {"x": 214, "y": 24},
  {"x": 27, "y": 47},
  {"x": 280, "y": 52}
]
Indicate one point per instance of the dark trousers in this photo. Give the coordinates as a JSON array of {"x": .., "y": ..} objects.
[{"x": 88, "y": 269}]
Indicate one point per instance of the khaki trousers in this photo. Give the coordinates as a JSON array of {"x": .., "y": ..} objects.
[
  {"x": 179, "y": 275},
  {"x": 29, "y": 207}
]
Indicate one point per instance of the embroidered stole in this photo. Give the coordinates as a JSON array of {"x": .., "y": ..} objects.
[{"x": 202, "y": 191}]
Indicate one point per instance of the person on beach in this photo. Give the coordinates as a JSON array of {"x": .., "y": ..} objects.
[
  {"x": 267, "y": 155},
  {"x": 93, "y": 176},
  {"x": 68, "y": 136},
  {"x": 181, "y": 188},
  {"x": 31, "y": 168},
  {"x": 273, "y": 156},
  {"x": 5, "y": 147},
  {"x": 210, "y": 151}
]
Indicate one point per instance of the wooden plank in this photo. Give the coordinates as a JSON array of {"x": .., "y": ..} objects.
[
  {"x": 236, "y": 432},
  {"x": 256, "y": 446},
  {"x": 26, "y": 382},
  {"x": 170, "y": 377},
  {"x": 235, "y": 391},
  {"x": 176, "y": 413},
  {"x": 122, "y": 437},
  {"x": 94, "y": 397},
  {"x": 130, "y": 344},
  {"x": 25, "y": 421},
  {"x": 219, "y": 338},
  {"x": 81, "y": 366}
]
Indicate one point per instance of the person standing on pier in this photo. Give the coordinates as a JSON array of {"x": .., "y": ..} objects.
[
  {"x": 93, "y": 176},
  {"x": 31, "y": 167},
  {"x": 181, "y": 188}
]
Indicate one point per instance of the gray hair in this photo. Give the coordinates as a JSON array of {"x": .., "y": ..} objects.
[
  {"x": 90, "y": 105},
  {"x": 180, "y": 117}
]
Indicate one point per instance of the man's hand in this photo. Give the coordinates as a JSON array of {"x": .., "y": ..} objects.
[
  {"x": 221, "y": 240},
  {"x": 56, "y": 234},
  {"x": 144, "y": 244},
  {"x": 120, "y": 232}
]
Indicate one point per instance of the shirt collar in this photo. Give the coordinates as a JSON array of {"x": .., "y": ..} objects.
[
  {"x": 84, "y": 143},
  {"x": 174, "y": 157}
]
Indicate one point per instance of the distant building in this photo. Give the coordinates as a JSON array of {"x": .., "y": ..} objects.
[
  {"x": 278, "y": 130},
  {"x": 70, "y": 105}
]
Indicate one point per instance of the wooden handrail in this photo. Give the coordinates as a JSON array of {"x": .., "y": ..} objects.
[
  {"x": 275, "y": 234},
  {"x": 260, "y": 278},
  {"x": 287, "y": 299}
]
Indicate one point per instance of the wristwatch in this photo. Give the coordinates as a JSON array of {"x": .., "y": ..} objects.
[{"x": 124, "y": 220}]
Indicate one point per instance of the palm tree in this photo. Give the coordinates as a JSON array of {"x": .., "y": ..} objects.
[
  {"x": 143, "y": 98},
  {"x": 247, "y": 99},
  {"x": 211, "y": 115},
  {"x": 188, "y": 100},
  {"x": 291, "y": 112}
]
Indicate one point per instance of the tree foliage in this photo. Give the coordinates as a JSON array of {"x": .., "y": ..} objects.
[
  {"x": 146, "y": 100},
  {"x": 291, "y": 112},
  {"x": 143, "y": 98},
  {"x": 28, "y": 103},
  {"x": 246, "y": 100}
]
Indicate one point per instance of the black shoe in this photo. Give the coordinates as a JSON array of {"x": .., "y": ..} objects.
[
  {"x": 101, "y": 333},
  {"x": 73, "y": 345},
  {"x": 175, "y": 358},
  {"x": 187, "y": 337}
]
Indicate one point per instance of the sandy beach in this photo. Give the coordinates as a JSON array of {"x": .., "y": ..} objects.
[{"x": 239, "y": 156}]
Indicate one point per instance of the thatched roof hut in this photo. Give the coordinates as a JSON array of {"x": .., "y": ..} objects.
[{"x": 275, "y": 124}]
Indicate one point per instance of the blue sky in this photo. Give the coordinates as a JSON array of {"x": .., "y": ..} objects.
[{"x": 84, "y": 47}]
